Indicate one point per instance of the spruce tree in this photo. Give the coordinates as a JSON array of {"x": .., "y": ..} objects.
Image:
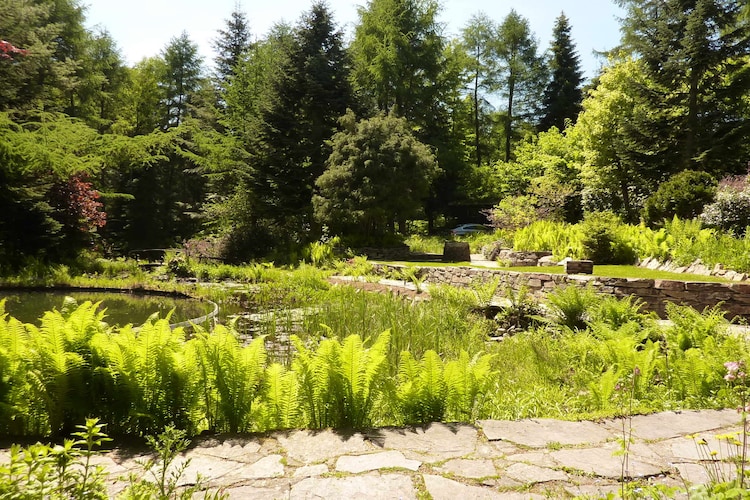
[
  {"x": 181, "y": 78},
  {"x": 231, "y": 44},
  {"x": 562, "y": 97},
  {"x": 695, "y": 55},
  {"x": 310, "y": 92}
]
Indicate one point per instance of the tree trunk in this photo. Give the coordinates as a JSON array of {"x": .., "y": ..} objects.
[{"x": 509, "y": 117}]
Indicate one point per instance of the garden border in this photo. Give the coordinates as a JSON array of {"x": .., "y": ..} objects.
[{"x": 733, "y": 298}]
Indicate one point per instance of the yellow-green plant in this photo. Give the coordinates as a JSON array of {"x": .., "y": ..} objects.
[
  {"x": 339, "y": 382},
  {"x": 232, "y": 377},
  {"x": 280, "y": 406},
  {"x": 570, "y": 306},
  {"x": 56, "y": 364},
  {"x": 152, "y": 372}
]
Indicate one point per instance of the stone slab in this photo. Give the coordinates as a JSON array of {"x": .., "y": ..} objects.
[
  {"x": 441, "y": 488},
  {"x": 211, "y": 469},
  {"x": 258, "y": 492},
  {"x": 311, "y": 471},
  {"x": 375, "y": 461},
  {"x": 435, "y": 443},
  {"x": 387, "y": 486},
  {"x": 671, "y": 424},
  {"x": 473, "y": 469},
  {"x": 238, "y": 450},
  {"x": 311, "y": 447},
  {"x": 539, "y": 432},
  {"x": 531, "y": 474},
  {"x": 604, "y": 461},
  {"x": 267, "y": 467}
]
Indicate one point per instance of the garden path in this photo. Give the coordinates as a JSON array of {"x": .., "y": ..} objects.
[{"x": 533, "y": 458}]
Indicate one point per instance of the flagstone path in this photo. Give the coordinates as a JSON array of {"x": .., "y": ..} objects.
[{"x": 527, "y": 459}]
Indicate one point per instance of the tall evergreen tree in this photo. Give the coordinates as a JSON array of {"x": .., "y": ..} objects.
[
  {"x": 181, "y": 78},
  {"x": 563, "y": 95},
  {"x": 231, "y": 44},
  {"x": 401, "y": 61},
  {"x": 695, "y": 58},
  {"x": 398, "y": 57},
  {"x": 521, "y": 72},
  {"x": 311, "y": 91}
]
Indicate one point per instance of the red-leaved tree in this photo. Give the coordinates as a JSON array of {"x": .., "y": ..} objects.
[
  {"x": 78, "y": 210},
  {"x": 9, "y": 51}
]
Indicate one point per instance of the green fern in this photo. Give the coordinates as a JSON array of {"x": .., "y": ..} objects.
[
  {"x": 236, "y": 373},
  {"x": 467, "y": 379},
  {"x": 362, "y": 371},
  {"x": 281, "y": 402},
  {"x": 14, "y": 344},
  {"x": 422, "y": 391}
]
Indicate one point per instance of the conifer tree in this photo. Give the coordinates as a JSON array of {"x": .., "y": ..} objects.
[
  {"x": 231, "y": 44},
  {"x": 562, "y": 97},
  {"x": 695, "y": 58},
  {"x": 521, "y": 72},
  {"x": 310, "y": 92},
  {"x": 181, "y": 78}
]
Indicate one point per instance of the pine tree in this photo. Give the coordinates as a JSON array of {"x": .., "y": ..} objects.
[
  {"x": 181, "y": 78},
  {"x": 562, "y": 97},
  {"x": 695, "y": 54},
  {"x": 231, "y": 44},
  {"x": 310, "y": 92},
  {"x": 521, "y": 72}
]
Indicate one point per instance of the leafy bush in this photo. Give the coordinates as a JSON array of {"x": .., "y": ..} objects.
[
  {"x": 513, "y": 212},
  {"x": 563, "y": 240},
  {"x": 602, "y": 241},
  {"x": 571, "y": 306},
  {"x": 683, "y": 196},
  {"x": 731, "y": 210}
]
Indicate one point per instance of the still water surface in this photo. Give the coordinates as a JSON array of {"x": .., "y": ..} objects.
[{"x": 121, "y": 308}]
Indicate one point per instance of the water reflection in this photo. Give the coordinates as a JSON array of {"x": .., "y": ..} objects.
[{"x": 121, "y": 308}]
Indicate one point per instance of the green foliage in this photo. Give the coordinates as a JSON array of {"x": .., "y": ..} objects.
[
  {"x": 570, "y": 306},
  {"x": 563, "y": 95},
  {"x": 378, "y": 173},
  {"x": 231, "y": 379},
  {"x": 602, "y": 242},
  {"x": 339, "y": 381},
  {"x": 433, "y": 362},
  {"x": 514, "y": 212},
  {"x": 731, "y": 210},
  {"x": 682, "y": 196},
  {"x": 430, "y": 390},
  {"x": 56, "y": 472},
  {"x": 561, "y": 239},
  {"x": 323, "y": 253}
]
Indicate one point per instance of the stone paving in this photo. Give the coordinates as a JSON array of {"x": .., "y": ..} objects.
[{"x": 534, "y": 458}]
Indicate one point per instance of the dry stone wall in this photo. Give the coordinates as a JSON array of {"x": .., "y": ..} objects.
[{"x": 734, "y": 298}]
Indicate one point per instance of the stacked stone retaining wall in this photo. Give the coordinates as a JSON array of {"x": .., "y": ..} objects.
[{"x": 734, "y": 298}]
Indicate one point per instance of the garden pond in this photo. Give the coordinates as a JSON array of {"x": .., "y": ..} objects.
[{"x": 122, "y": 308}]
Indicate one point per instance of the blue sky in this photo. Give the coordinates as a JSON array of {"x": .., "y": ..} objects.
[{"x": 142, "y": 28}]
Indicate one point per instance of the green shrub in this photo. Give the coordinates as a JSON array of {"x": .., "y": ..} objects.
[
  {"x": 683, "y": 196},
  {"x": 602, "y": 241}
]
